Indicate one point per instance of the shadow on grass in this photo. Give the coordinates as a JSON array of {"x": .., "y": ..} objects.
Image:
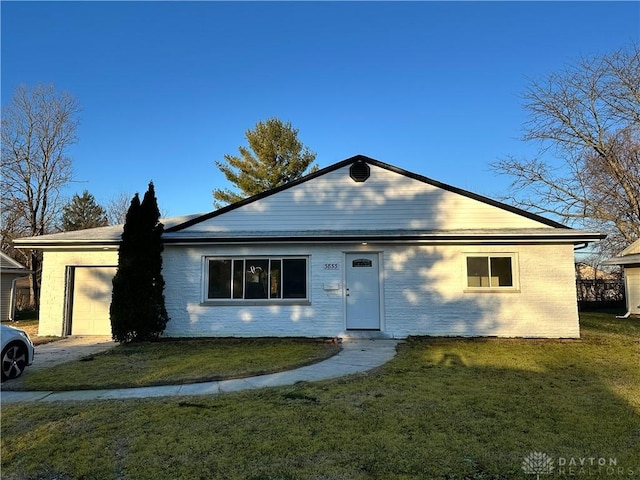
[{"x": 609, "y": 323}]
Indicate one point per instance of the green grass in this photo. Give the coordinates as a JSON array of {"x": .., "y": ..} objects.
[
  {"x": 443, "y": 409},
  {"x": 177, "y": 361}
]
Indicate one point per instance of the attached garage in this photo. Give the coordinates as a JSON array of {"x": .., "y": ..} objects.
[
  {"x": 77, "y": 273},
  {"x": 77, "y": 282},
  {"x": 89, "y": 300}
]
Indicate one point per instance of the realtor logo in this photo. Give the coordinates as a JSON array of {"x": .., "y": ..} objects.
[{"x": 537, "y": 463}]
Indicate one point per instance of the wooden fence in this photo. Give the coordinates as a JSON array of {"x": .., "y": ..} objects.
[{"x": 600, "y": 294}]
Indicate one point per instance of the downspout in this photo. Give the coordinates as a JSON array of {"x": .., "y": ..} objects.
[
  {"x": 12, "y": 300},
  {"x": 626, "y": 315},
  {"x": 575, "y": 249}
]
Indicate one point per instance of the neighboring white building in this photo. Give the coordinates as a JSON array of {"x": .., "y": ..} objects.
[
  {"x": 357, "y": 248},
  {"x": 629, "y": 258},
  {"x": 10, "y": 272}
]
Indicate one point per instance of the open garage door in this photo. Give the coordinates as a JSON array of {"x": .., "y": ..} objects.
[{"x": 92, "y": 288}]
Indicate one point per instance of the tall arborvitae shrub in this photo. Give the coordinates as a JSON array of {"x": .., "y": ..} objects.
[
  {"x": 156, "y": 318},
  {"x": 137, "y": 308},
  {"x": 126, "y": 285}
]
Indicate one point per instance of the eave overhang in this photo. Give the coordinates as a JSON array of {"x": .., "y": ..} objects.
[
  {"x": 188, "y": 237},
  {"x": 626, "y": 260},
  {"x": 32, "y": 243},
  {"x": 16, "y": 271},
  {"x": 486, "y": 237}
]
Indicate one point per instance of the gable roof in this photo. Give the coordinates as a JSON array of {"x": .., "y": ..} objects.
[
  {"x": 633, "y": 249},
  {"x": 387, "y": 204},
  {"x": 330, "y": 205},
  {"x": 629, "y": 256},
  {"x": 369, "y": 161},
  {"x": 9, "y": 265}
]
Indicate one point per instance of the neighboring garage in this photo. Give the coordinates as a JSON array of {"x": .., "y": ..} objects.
[
  {"x": 10, "y": 272},
  {"x": 90, "y": 300},
  {"x": 629, "y": 259}
]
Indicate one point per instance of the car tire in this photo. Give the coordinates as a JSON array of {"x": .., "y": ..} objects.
[{"x": 14, "y": 361}]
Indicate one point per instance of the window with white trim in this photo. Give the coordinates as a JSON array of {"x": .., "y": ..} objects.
[
  {"x": 259, "y": 278},
  {"x": 495, "y": 271}
]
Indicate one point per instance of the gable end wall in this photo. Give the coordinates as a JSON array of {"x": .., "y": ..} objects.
[{"x": 387, "y": 200}]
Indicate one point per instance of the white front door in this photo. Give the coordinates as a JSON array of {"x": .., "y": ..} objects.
[{"x": 362, "y": 291}]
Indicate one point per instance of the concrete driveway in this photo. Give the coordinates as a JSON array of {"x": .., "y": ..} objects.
[{"x": 68, "y": 349}]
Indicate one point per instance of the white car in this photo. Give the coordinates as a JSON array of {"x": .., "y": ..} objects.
[{"x": 17, "y": 352}]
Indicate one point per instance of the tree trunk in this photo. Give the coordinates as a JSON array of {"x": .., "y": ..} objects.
[{"x": 34, "y": 279}]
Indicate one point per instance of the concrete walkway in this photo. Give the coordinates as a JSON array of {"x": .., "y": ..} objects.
[{"x": 357, "y": 355}]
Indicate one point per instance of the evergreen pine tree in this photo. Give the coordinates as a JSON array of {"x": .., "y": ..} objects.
[
  {"x": 137, "y": 306},
  {"x": 275, "y": 156},
  {"x": 83, "y": 212}
]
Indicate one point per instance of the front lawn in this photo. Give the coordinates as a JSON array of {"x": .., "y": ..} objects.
[
  {"x": 177, "y": 361},
  {"x": 443, "y": 409}
]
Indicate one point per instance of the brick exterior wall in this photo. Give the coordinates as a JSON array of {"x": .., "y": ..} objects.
[
  {"x": 52, "y": 296},
  {"x": 423, "y": 293}
]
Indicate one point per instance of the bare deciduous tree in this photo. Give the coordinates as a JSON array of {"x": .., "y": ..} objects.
[
  {"x": 588, "y": 118},
  {"x": 38, "y": 126},
  {"x": 117, "y": 208}
]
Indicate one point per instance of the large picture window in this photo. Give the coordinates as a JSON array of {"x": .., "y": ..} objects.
[
  {"x": 490, "y": 271},
  {"x": 264, "y": 278}
]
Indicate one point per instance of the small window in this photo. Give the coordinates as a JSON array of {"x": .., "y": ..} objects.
[
  {"x": 256, "y": 278},
  {"x": 362, "y": 262},
  {"x": 490, "y": 271}
]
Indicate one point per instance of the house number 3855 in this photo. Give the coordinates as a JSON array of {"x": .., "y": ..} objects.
[{"x": 331, "y": 266}]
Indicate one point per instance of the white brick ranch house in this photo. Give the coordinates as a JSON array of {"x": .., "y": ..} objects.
[{"x": 360, "y": 246}]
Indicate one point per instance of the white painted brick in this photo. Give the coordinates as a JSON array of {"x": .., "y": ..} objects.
[
  {"x": 423, "y": 293},
  {"x": 53, "y": 283}
]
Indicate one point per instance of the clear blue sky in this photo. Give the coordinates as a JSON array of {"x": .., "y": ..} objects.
[{"x": 167, "y": 88}]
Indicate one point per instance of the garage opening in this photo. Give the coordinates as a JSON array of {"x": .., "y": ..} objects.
[{"x": 88, "y": 299}]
